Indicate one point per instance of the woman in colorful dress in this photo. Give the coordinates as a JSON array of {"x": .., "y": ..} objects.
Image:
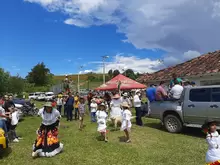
[
  {"x": 47, "y": 143},
  {"x": 213, "y": 140},
  {"x": 101, "y": 120}
]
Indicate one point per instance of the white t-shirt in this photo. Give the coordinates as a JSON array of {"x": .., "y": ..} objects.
[
  {"x": 14, "y": 118},
  {"x": 93, "y": 107},
  {"x": 49, "y": 118},
  {"x": 2, "y": 112},
  {"x": 59, "y": 101},
  {"x": 137, "y": 101},
  {"x": 176, "y": 91},
  {"x": 127, "y": 100}
]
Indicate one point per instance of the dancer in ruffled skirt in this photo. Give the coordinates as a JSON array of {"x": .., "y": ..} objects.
[{"x": 47, "y": 143}]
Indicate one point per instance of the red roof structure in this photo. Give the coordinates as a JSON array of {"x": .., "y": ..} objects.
[
  {"x": 125, "y": 83},
  {"x": 206, "y": 64}
]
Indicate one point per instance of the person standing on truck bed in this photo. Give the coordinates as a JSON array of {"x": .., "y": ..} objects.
[
  {"x": 161, "y": 93},
  {"x": 151, "y": 93},
  {"x": 176, "y": 91},
  {"x": 175, "y": 78}
]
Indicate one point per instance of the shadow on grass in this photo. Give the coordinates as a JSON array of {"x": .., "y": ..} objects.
[
  {"x": 122, "y": 139},
  {"x": 100, "y": 138},
  {"x": 194, "y": 132},
  {"x": 5, "y": 153}
]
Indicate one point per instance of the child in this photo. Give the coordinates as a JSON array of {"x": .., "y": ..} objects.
[
  {"x": 213, "y": 140},
  {"x": 101, "y": 120},
  {"x": 93, "y": 107},
  {"x": 14, "y": 122},
  {"x": 126, "y": 121},
  {"x": 82, "y": 110}
]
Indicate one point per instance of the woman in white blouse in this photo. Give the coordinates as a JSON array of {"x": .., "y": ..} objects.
[
  {"x": 47, "y": 143},
  {"x": 115, "y": 105}
]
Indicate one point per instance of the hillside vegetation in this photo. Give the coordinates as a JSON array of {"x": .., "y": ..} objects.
[{"x": 87, "y": 81}]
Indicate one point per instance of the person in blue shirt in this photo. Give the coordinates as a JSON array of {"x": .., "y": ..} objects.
[
  {"x": 69, "y": 107},
  {"x": 151, "y": 93}
]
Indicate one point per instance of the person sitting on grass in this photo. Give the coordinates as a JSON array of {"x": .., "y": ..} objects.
[
  {"x": 126, "y": 121},
  {"x": 47, "y": 143},
  {"x": 213, "y": 140},
  {"x": 101, "y": 120},
  {"x": 82, "y": 110}
]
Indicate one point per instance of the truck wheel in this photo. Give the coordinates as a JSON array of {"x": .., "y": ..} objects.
[{"x": 173, "y": 124}]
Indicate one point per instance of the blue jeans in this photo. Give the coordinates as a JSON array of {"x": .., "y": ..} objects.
[
  {"x": 3, "y": 125},
  {"x": 76, "y": 113},
  {"x": 93, "y": 116},
  {"x": 138, "y": 116},
  {"x": 59, "y": 108},
  {"x": 69, "y": 112}
]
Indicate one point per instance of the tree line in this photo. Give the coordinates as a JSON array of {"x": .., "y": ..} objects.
[
  {"x": 128, "y": 73},
  {"x": 38, "y": 79}
]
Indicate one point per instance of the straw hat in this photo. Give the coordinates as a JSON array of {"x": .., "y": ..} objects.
[
  {"x": 102, "y": 104},
  {"x": 116, "y": 96},
  {"x": 48, "y": 104},
  {"x": 93, "y": 100},
  {"x": 125, "y": 104}
]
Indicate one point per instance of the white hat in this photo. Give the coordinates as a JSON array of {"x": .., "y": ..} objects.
[
  {"x": 138, "y": 91},
  {"x": 125, "y": 94}
]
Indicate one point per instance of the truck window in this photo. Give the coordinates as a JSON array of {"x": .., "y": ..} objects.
[
  {"x": 200, "y": 95},
  {"x": 216, "y": 94}
]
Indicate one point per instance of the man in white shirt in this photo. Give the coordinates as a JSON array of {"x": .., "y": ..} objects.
[
  {"x": 176, "y": 91},
  {"x": 93, "y": 107},
  {"x": 137, "y": 105}
]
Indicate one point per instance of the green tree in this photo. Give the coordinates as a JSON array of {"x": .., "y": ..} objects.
[
  {"x": 110, "y": 73},
  {"x": 4, "y": 81},
  {"x": 40, "y": 75},
  {"x": 16, "y": 85},
  {"x": 130, "y": 73},
  {"x": 116, "y": 73}
]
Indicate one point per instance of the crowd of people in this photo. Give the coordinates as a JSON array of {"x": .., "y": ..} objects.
[
  {"x": 172, "y": 92},
  {"x": 114, "y": 107},
  {"x": 9, "y": 118}
]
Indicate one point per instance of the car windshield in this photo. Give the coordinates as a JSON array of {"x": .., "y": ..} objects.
[{"x": 31, "y": 94}]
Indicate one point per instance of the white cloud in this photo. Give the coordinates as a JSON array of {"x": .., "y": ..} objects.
[
  {"x": 122, "y": 62},
  {"x": 75, "y": 22},
  {"x": 175, "y": 26},
  {"x": 85, "y": 71}
]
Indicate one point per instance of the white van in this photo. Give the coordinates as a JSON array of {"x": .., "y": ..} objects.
[{"x": 49, "y": 96}]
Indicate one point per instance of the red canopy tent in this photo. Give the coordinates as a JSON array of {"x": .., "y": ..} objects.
[{"x": 120, "y": 82}]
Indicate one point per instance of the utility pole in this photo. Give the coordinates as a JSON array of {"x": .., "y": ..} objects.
[
  {"x": 78, "y": 84},
  {"x": 103, "y": 60}
]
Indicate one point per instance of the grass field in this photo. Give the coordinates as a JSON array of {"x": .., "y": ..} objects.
[{"x": 150, "y": 145}]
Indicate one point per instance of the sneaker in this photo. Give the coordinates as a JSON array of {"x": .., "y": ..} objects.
[
  {"x": 15, "y": 140},
  {"x": 19, "y": 138},
  {"x": 128, "y": 141}
]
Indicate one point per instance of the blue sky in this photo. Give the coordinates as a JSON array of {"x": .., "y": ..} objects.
[{"x": 65, "y": 37}]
